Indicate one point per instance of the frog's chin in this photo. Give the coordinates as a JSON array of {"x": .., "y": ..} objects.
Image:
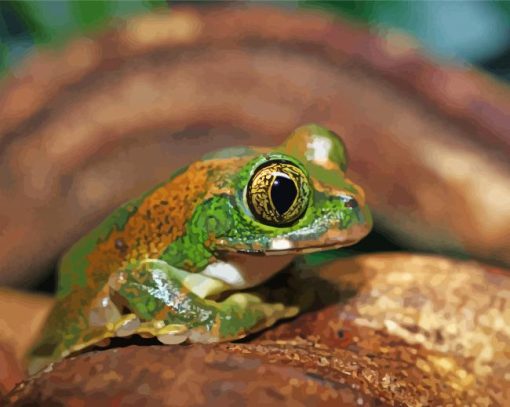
[{"x": 240, "y": 270}]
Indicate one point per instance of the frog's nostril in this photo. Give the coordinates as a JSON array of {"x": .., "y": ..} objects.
[
  {"x": 352, "y": 203},
  {"x": 349, "y": 201}
]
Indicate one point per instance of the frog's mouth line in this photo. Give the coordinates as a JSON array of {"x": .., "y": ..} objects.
[
  {"x": 297, "y": 250},
  {"x": 241, "y": 266},
  {"x": 332, "y": 239}
]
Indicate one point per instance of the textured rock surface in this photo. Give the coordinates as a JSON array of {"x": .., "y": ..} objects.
[
  {"x": 446, "y": 320},
  {"x": 381, "y": 330},
  {"x": 85, "y": 128}
]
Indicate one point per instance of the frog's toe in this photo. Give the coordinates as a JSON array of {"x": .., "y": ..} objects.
[
  {"x": 173, "y": 334},
  {"x": 247, "y": 301},
  {"x": 127, "y": 325},
  {"x": 273, "y": 313},
  {"x": 246, "y": 313},
  {"x": 170, "y": 334}
]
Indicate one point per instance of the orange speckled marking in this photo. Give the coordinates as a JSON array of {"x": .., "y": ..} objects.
[{"x": 160, "y": 219}]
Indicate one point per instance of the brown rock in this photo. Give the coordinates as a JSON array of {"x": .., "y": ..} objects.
[
  {"x": 21, "y": 317},
  {"x": 187, "y": 376},
  {"x": 11, "y": 370},
  {"x": 88, "y": 127},
  {"x": 381, "y": 330},
  {"x": 447, "y": 319}
]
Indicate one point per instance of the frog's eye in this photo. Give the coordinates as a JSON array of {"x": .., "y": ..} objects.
[{"x": 278, "y": 193}]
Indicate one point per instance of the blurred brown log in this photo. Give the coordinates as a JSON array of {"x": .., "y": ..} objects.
[
  {"x": 21, "y": 316},
  {"x": 85, "y": 128},
  {"x": 383, "y": 330},
  {"x": 11, "y": 370}
]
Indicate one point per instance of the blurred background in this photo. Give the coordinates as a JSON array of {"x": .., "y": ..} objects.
[
  {"x": 418, "y": 90},
  {"x": 475, "y": 32}
]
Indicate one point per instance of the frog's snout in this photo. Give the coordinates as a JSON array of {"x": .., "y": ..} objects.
[
  {"x": 359, "y": 212},
  {"x": 350, "y": 202}
]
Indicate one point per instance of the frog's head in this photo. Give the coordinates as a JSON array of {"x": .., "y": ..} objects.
[{"x": 294, "y": 199}]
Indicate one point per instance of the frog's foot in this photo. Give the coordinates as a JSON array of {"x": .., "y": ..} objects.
[
  {"x": 153, "y": 299},
  {"x": 170, "y": 334},
  {"x": 229, "y": 324},
  {"x": 174, "y": 306},
  {"x": 245, "y": 313}
]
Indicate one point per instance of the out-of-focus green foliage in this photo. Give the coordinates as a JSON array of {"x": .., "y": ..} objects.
[
  {"x": 20, "y": 19},
  {"x": 3, "y": 57},
  {"x": 504, "y": 5},
  {"x": 28, "y": 23},
  {"x": 476, "y": 32},
  {"x": 365, "y": 11},
  {"x": 90, "y": 15}
]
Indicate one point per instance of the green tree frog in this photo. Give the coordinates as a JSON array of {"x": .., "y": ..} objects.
[{"x": 175, "y": 262}]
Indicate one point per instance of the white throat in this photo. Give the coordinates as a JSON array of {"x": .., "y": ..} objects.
[{"x": 244, "y": 270}]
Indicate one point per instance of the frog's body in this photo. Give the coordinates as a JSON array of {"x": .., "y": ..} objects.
[{"x": 157, "y": 264}]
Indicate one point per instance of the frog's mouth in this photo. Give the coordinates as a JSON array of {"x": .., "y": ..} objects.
[
  {"x": 244, "y": 270},
  {"x": 298, "y": 244},
  {"x": 242, "y": 265}
]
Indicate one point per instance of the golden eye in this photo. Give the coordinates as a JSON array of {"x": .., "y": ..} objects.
[{"x": 278, "y": 193}]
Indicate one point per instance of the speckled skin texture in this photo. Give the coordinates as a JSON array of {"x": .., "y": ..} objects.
[
  {"x": 419, "y": 330},
  {"x": 131, "y": 273},
  {"x": 395, "y": 329}
]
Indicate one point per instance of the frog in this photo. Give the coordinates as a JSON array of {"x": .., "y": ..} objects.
[{"x": 177, "y": 263}]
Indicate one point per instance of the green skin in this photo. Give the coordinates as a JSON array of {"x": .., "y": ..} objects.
[{"x": 166, "y": 292}]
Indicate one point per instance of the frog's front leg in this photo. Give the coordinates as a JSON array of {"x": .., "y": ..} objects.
[{"x": 173, "y": 305}]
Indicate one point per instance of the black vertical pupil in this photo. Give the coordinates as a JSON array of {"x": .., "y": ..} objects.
[{"x": 283, "y": 193}]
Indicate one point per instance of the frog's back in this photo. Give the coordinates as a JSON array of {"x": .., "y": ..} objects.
[
  {"x": 76, "y": 263},
  {"x": 142, "y": 228}
]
